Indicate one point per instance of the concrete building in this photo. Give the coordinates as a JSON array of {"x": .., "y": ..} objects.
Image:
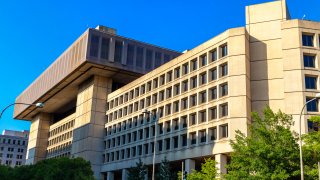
[
  {"x": 96, "y": 90},
  {"x": 13, "y": 147}
]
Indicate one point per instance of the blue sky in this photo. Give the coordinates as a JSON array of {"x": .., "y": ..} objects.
[{"x": 34, "y": 33}]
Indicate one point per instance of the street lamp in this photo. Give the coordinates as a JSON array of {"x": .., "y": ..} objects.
[
  {"x": 154, "y": 140},
  {"x": 38, "y": 105},
  {"x": 300, "y": 140}
]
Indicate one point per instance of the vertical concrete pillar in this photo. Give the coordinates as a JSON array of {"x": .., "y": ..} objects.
[
  {"x": 89, "y": 131},
  {"x": 111, "y": 49},
  {"x": 124, "y": 174},
  {"x": 221, "y": 160},
  {"x": 124, "y": 52},
  {"x": 38, "y": 138},
  {"x": 110, "y": 175},
  {"x": 189, "y": 165}
]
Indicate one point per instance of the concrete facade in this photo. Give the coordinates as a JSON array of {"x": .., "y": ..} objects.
[
  {"x": 13, "y": 147},
  {"x": 199, "y": 98}
]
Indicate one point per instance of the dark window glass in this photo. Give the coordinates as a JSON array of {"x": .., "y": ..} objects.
[
  {"x": 213, "y": 133},
  {"x": 313, "y": 105},
  {"x": 149, "y": 59},
  {"x": 223, "y": 89},
  {"x": 130, "y": 55},
  {"x": 139, "y": 58},
  {"x": 184, "y": 140},
  {"x": 224, "y": 131},
  {"x": 223, "y": 110},
  {"x": 213, "y": 74},
  {"x": 118, "y": 51},
  {"x": 311, "y": 82},
  {"x": 313, "y": 126},
  {"x": 157, "y": 62},
  {"x": 224, "y": 70},
  {"x": 105, "y": 48},
  {"x": 94, "y": 47},
  {"x": 214, "y": 55},
  {"x": 213, "y": 93},
  {"x": 185, "y": 69},
  {"x": 307, "y": 40},
  {"x": 203, "y": 60},
  {"x": 309, "y": 60},
  {"x": 224, "y": 50}
]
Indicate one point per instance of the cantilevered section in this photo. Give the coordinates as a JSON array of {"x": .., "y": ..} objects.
[{"x": 96, "y": 52}]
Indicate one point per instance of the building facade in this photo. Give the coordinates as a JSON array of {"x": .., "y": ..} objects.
[
  {"x": 13, "y": 147},
  {"x": 95, "y": 93}
]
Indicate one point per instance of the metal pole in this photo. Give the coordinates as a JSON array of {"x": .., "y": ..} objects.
[
  {"x": 154, "y": 146},
  {"x": 300, "y": 139},
  {"x": 319, "y": 168},
  {"x": 182, "y": 171},
  {"x": 39, "y": 105}
]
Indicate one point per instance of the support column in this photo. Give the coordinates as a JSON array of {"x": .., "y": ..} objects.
[
  {"x": 124, "y": 174},
  {"x": 110, "y": 175},
  {"x": 189, "y": 165},
  {"x": 38, "y": 138},
  {"x": 112, "y": 49},
  {"x": 221, "y": 160}
]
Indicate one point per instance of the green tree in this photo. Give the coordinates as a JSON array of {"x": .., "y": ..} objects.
[
  {"x": 138, "y": 172},
  {"x": 208, "y": 171},
  {"x": 165, "y": 170},
  {"x": 270, "y": 151},
  {"x": 311, "y": 151}
]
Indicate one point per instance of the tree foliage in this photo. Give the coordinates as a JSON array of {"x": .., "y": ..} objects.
[
  {"x": 269, "y": 151},
  {"x": 138, "y": 172},
  {"x": 311, "y": 151},
  {"x": 208, "y": 171},
  {"x": 165, "y": 172},
  {"x": 59, "y": 168}
]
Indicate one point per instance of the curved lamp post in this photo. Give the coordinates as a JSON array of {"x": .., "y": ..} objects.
[
  {"x": 154, "y": 141},
  {"x": 38, "y": 105},
  {"x": 300, "y": 140}
]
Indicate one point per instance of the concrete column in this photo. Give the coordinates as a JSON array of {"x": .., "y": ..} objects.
[
  {"x": 38, "y": 138},
  {"x": 110, "y": 175},
  {"x": 124, "y": 52},
  {"x": 124, "y": 174},
  {"x": 111, "y": 49},
  {"x": 221, "y": 160},
  {"x": 189, "y": 165}
]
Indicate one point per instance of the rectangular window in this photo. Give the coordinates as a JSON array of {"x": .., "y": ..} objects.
[
  {"x": 160, "y": 145},
  {"x": 184, "y": 103},
  {"x": 130, "y": 55},
  {"x": 175, "y": 142},
  {"x": 149, "y": 86},
  {"x": 139, "y": 57},
  {"x": 313, "y": 105},
  {"x": 203, "y": 60},
  {"x": 194, "y": 65},
  {"x": 105, "y": 48},
  {"x": 146, "y": 148},
  {"x": 224, "y": 50},
  {"x": 162, "y": 80},
  {"x": 176, "y": 89},
  {"x": 185, "y": 69},
  {"x": 202, "y": 97},
  {"x": 157, "y": 62},
  {"x": 212, "y": 74},
  {"x": 223, "y": 89},
  {"x": 223, "y": 110},
  {"x": 167, "y": 143},
  {"x": 176, "y": 106},
  {"x": 168, "y": 109},
  {"x": 185, "y": 86},
  {"x": 184, "y": 140},
  {"x": 214, "y": 55},
  {"x": 168, "y": 126},
  {"x": 177, "y": 72},
  {"x": 223, "y": 70},
  {"x": 154, "y": 98},
  {"x": 223, "y": 131},
  {"x": 193, "y": 82},
  {"x": 193, "y": 138},
  {"x": 213, "y": 113},
  {"x": 192, "y": 119},
  {"x": 94, "y": 47},
  {"x": 313, "y": 126},
  {"x": 213, "y": 133},
  {"x": 168, "y": 92},
  {"x": 203, "y": 78},
  {"x": 307, "y": 40},
  {"x": 202, "y": 116},
  {"x": 175, "y": 124},
  {"x": 309, "y": 60},
  {"x": 310, "y": 82},
  {"x": 193, "y": 100},
  {"x": 160, "y": 127},
  {"x": 184, "y": 121},
  {"x": 169, "y": 76},
  {"x": 149, "y": 54},
  {"x": 161, "y": 96},
  {"x": 213, "y": 93},
  {"x": 155, "y": 83},
  {"x": 118, "y": 51},
  {"x": 203, "y": 136}
]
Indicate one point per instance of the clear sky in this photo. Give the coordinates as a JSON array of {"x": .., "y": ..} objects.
[{"x": 34, "y": 33}]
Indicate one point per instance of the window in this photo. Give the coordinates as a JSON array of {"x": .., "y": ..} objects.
[
  {"x": 307, "y": 39},
  {"x": 169, "y": 76},
  {"x": 160, "y": 145},
  {"x": 213, "y": 133},
  {"x": 203, "y": 78},
  {"x": 177, "y": 72},
  {"x": 184, "y": 121},
  {"x": 223, "y": 89},
  {"x": 176, "y": 106},
  {"x": 212, "y": 74},
  {"x": 143, "y": 89},
  {"x": 160, "y": 110},
  {"x": 213, "y": 93},
  {"x": 118, "y": 51},
  {"x": 202, "y": 97},
  {"x": 313, "y": 105},
  {"x": 203, "y": 60},
  {"x": 175, "y": 142},
  {"x": 168, "y": 126},
  {"x": 203, "y": 136},
  {"x": 168, "y": 109},
  {"x": 313, "y": 126},
  {"x": 310, "y": 82},
  {"x": 167, "y": 143},
  {"x": 193, "y": 100},
  {"x": 149, "y": 54},
  {"x": 149, "y": 86},
  {"x": 169, "y": 92},
  {"x": 155, "y": 83},
  {"x": 154, "y": 98},
  {"x": 223, "y": 131},
  {"x": 194, "y": 65},
  {"x": 224, "y": 50},
  {"x": 184, "y": 103},
  {"x": 94, "y": 47},
  {"x": 193, "y": 82},
  {"x": 130, "y": 54},
  {"x": 157, "y": 62},
  {"x": 148, "y": 101},
  {"x": 104, "y": 54},
  {"x": 213, "y": 113},
  {"x": 176, "y": 89},
  {"x": 185, "y": 69},
  {"x": 224, "y": 110},
  {"x": 184, "y": 140},
  {"x": 175, "y": 124},
  {"x": 192, "y": 119},
  {"x": 162, "y": 80},
  {"x": 139, "y": 57},
  {"x": 161, "y": 96},
  {"x": 214, "y": 55},
  {"x": 160, "y": 128},
  {"x": 223, "y": 69},
  {"x": 146, "y": 148},
  {"x": 185, "y": 86},
  {"x": 193, "y": 138},
  {"x": 309, "y": 60},
  {"x": 202, "y": 116}
]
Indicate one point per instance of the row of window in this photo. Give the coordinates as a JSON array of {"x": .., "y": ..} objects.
[
  {"x": 309, "y": 39},
  {"x": 12, "y": 141},
  {"x": 179, "y": 105},
  {"x": 11, "y": 149},
  {"x": 200, "y": 137},
  {"x": 185, "y": 121},
  {"x": 176, "y": 73},
  {"x": 9, "y": 162},
  {"x": 61, "y": 128},
  {"x": 58, "y": 150},
  {"x": 18, "y": 156},
  {"x": 61, "y": 138}
]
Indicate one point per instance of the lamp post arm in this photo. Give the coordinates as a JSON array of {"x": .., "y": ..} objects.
[{"x": 38, "y": 105}]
